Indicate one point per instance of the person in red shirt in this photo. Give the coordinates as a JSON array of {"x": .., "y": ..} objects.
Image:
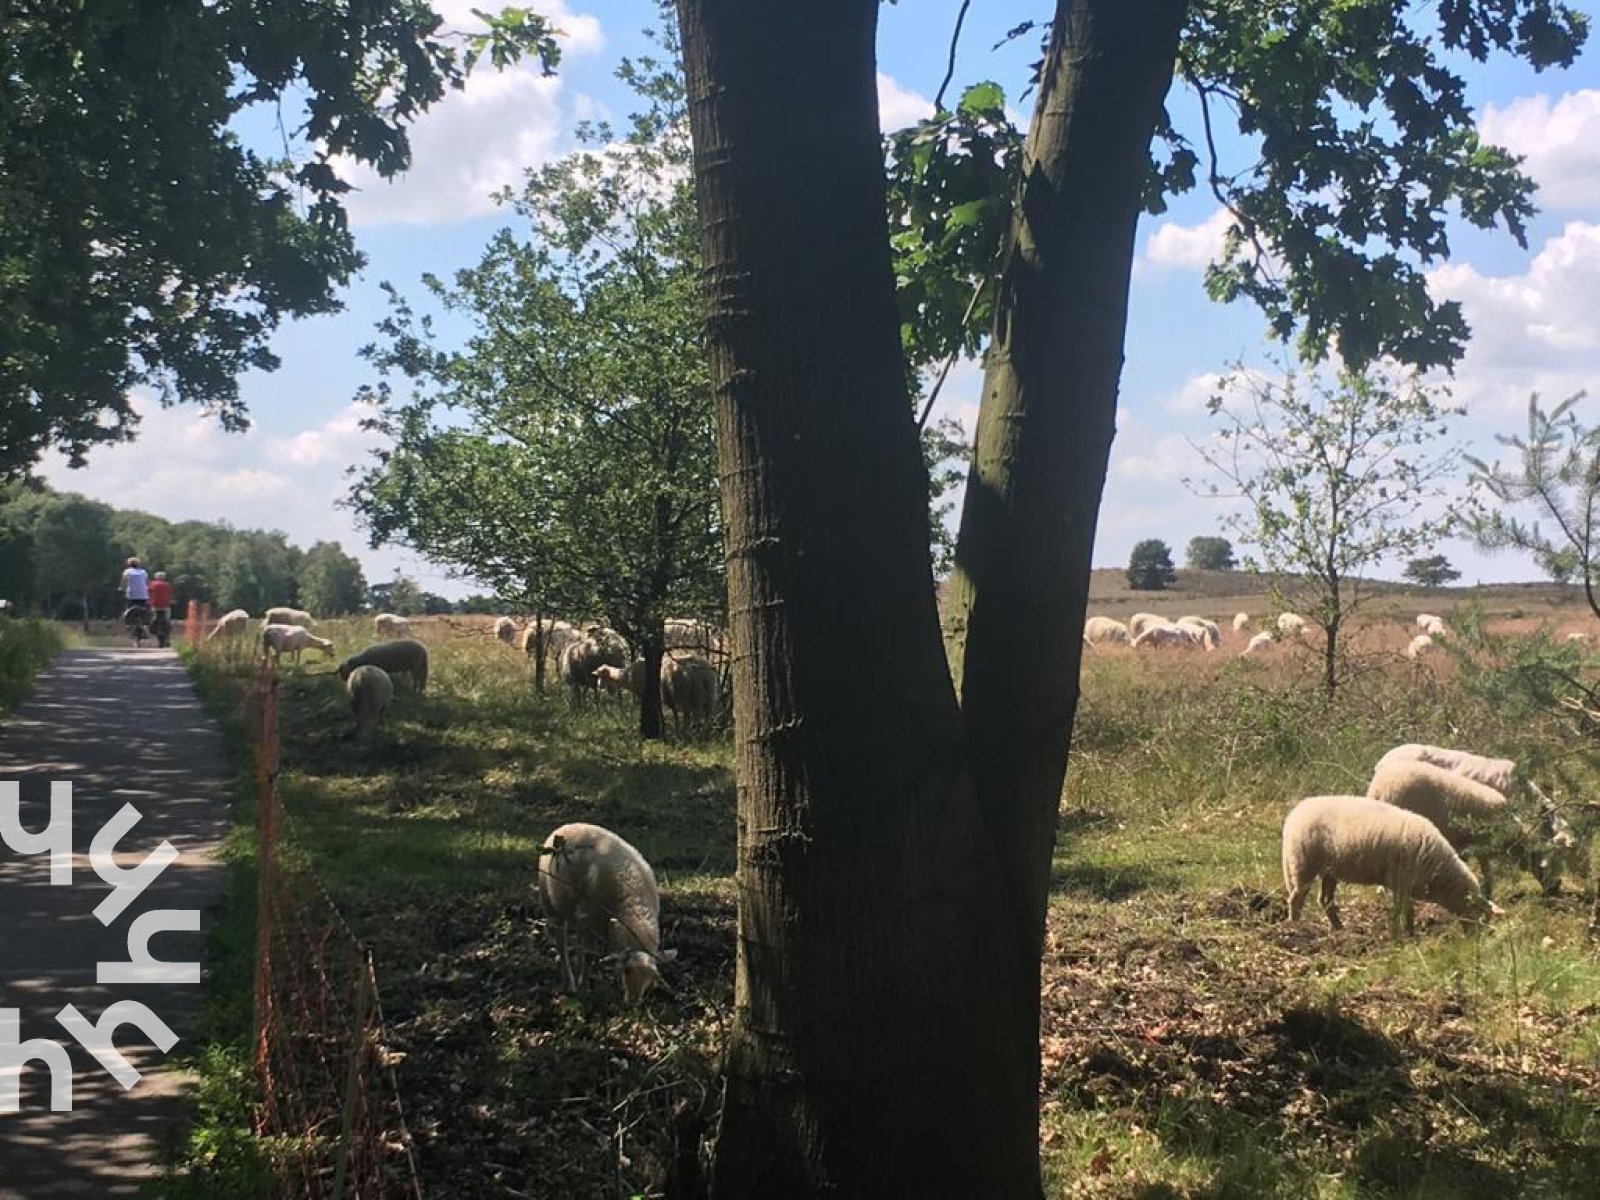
[{"x": 161, "y": 595}]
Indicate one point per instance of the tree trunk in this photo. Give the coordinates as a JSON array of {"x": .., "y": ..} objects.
[
  {"x": 1021, "y": 584},
  {"x": 651, "y": 726},
  {"x": 878, "y": 956},
  {"x": 540, "y": 638}
]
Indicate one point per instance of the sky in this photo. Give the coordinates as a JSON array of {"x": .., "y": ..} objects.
[{"x": 1535, "y": 313}]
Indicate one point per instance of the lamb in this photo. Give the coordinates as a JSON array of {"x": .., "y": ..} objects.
[
  {"x": 1240, "y": 620},
  {"x": 598, "y": 647},
  {"x": 402, "y": 656},
  {"x": 593, "y": 881},
  {"x": 690, "y": 688},
  {"x": 505, "y": 630},
  {"x": 1141, "y": 621},
  {"x": 1353, "y": 839},
  {"x": 1419, "y": 645},
  {"x": 1259, "y": 641},
  {"x": 616, "y": 680},
  {"x": 1103, "y": 629},
  {"x": 278, "y": 640},
  {"x": 1291, "y": 624},
  {"x": 1211, "y": 635},
  {"x": 388, "y": 625},
  {"x": 371, "y": 691},
  {"x": 287, "y": 616},
  {"x": 230, "y": 624}
]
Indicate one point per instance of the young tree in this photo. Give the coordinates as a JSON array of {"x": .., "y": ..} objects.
[
  {"x": 1209, "y": 554},
  {"x": 144, "y": 242},
  {"x": 566, "y": 455},
  {"x": 1335, "y": 479},
  {"x": 1558, "y": 476},
  {"x": 1432, "y": 571},
  {"x": 330, "y": 581},
  {"x": 1150, "y": 566},
  {"x": 885, "y": 1039}
]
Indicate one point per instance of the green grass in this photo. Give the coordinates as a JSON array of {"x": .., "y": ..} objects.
[
  {"x": 1194, "y": 1045},
  {"x": 26, "y": 645}
]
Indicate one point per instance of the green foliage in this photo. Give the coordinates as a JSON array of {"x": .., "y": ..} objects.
[
  {"x": 945, "y": 451},
  {"x": 1150, "y": 566},
  {"x": 330, "y": 581},
  {"x": 73, "y": 556},
  {"x": 1559, "y": 477},
  {"x": 1360, "y": 145},
  {"x": 1334, "y": 478},
  {"x": 259, "y": 572},
  {"x": 26, "y": 645},
  {"x": 1433, "y": 570},
  {"x": 1209, "y": 554},
  {"x": 565, "y": 454}
]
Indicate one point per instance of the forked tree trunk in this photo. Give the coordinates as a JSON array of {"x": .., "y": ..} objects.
[
  {"x": 1020, "y": 589},
  {"x": 878, "y": 956}
]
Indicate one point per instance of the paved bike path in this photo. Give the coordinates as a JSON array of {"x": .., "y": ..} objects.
[{"x": 125, "y": 727}]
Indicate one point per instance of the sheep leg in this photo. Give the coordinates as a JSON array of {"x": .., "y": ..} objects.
[
  {"x": 1297, "y": 899},
  {"x": 1329, "y": 905},
  {"x": 566, "y": 958}
]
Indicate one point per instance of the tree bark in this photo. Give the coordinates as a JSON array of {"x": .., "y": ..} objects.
[
  {"x": 1046, "y": 421},
  {"x": 877, "y": 957}
]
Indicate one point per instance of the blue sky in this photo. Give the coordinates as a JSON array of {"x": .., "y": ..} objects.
[{"x": 1536, "y": 314}]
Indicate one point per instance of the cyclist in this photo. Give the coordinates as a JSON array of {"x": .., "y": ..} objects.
[
  {"x": 135, "y": 584},
  {"x": 161, "y": 608}
]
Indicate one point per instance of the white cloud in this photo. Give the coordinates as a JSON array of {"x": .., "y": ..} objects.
[
  {"x": 898, "y": 106},
  {"x": 476, "y": 141},
  {"x": 1559, "y": 140},
  {"x": 1186, "y": 247}
]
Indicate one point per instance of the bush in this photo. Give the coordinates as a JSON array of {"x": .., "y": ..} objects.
[{"x": 25, "y": 646}]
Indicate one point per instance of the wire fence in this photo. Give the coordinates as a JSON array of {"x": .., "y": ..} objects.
[{"x": 329, "y": 1099}]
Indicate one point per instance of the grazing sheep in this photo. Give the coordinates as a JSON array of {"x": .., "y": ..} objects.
[
  {"x": 690, "y": 688},
  {"x": 1240, "y": 620},
  {"x": 1291, "y": 624},
  {"x": 1455, "y": 803},
  {"x": 1169, "y": 634},
  {"x": 404, "y": 656},
  {"x": 371, "y": 691},
  {"x": 1260, "y": 641},
  {"x": 598, "y": 647},
  {"x": 616, "y": 680},
  {"x": 278, "y": 640},
  {"x": 1419, "y": 645},
  {"x": 287, "y": 616},
  {"x": 1576, "y": 637},
  {"x": 230, "y": 624},
  {"x": 505, "y": 630},
  {"x": 1353, "y": 839},
  {"x": 593, "y": 882},
  {"x": 388, "y": 625},
  {"x": 558, "y": 635},
  {"x": 1103, "y": 629},
  {"x": 1433, "y": 625},
  {"x": 1211, "y": 635},
  {"x": 1497, "y": 773},
  {"x": 686, "y": 633},
  {"x": 1141, "y": 621}
]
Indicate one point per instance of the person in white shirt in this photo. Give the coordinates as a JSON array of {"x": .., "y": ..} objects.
[{"x": 136, "y": 584}]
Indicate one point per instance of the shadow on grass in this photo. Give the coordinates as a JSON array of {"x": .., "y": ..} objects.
[{"x": 1103, "y": 881}]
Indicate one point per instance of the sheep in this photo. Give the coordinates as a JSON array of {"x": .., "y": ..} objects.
[
  {"x": 1291, "y": 624},
  {"x": 1576, "y": 637},
  {"x": 616, "y": 680},
  {"x": 1104, "y": 629},
  {"x": 1211, "y": 635},
  {"x": 1354, "y": 839},
  {"x": 1453, "y": 802},
  {"x": 371, "y": 691},
  {"x": 505, "y": 630},
  {"x": 685, "y": 633},
  {"x": 278, "y": 640},
  {"x": 1260, "y": 641},
  {"x": 596, "y": 648},
  {"x": 1497, "y": 773},
  {"x": 1431, "y": 624},
  {"x": 388, "y": 625},
  {"x": 1240, "y": 620},
  {"x": 1419, "y": 645},
  {"x": 287, "y": 616},
  {"x": 1141, "y": 621},
  {"x": 230, "y": 624},
  {"x": 402, "y": 656},
  {"x": 557, "y": 635},
  {"x": 594, "y": 882},
  {"x": 1169, "y": 634},
  {"x": 690, "y": 688}
]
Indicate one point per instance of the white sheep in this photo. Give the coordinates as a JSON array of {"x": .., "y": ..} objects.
[
  {"x": 1576, "y": 637},
  {"x": 616, "y": 680},
  {"x": 1210, "y": 633},
  {"x": 1097, "y": 630},
  {"x": 1240, "y": 620},
  {"x": 505, "y": 630},
  {"x": 597, "y": 647},
  {"x": 1140, "y": 621},
  {"x": 1169, "y": 633},
  {"x": 1259, "y": 641},
  {"x": 1455, "y": 803},
  {"x": 230, "y": 624},
  {"x": 690, "y": 688},
  {"x": 278, "y": 640},
  {"x": 1419, "y": 645},
  {"x": 557, "y": 635},
  {"x": 595, "y": 884},
  {"x": 287, "y": 616},
  {"x": 1497, "y": 773},
  {"x": 403, "y": 656},
  {"x": 1354, "y": 839},
  {"x": 1431, "y": 624},
  {"x": 389, "y": 625},
  {"x": 371, "y": 692},
  {"x": 1291, "y": 624},
  {"x": 686, "y": 633}
]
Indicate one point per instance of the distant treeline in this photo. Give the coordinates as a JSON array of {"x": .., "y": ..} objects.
[{"x": 61, "y": 555}]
